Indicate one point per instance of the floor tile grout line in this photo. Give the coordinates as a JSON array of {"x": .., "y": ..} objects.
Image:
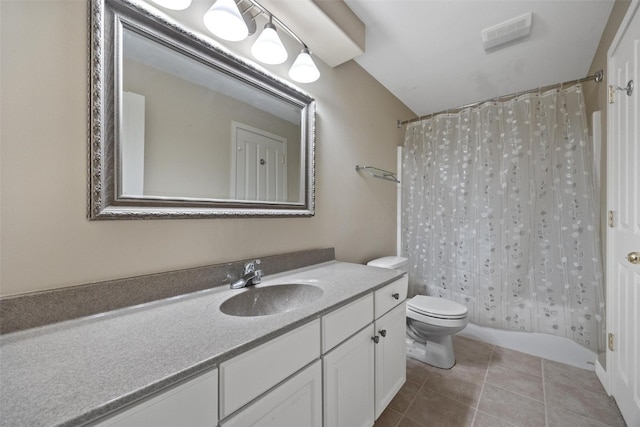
[
  {"x": 413, "y": 400},
  {"x": 451, "y": 398},
  {"x": 523, "y": 370},
  {"x": 501, "y": 388},
  {"x": 584, "y": 416},
  {"x": 402, "y": 415},
  {"x": 580, "y": 415},
  {"x": 519, "y": 394},
  {"x": 544, "y": 396},
  {"x": 498, "y": 418},
  {"x": 484, "y": 381},
  {"x": 515, "y": 392},
  {"x": 576, "y": 386},
  {"x": 548, "y": 381}
]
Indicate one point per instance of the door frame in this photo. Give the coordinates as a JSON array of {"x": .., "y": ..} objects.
[{"x": 606, "y": 377}]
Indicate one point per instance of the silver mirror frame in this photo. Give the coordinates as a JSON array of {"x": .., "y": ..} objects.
[{"x": 103, "y": 200}]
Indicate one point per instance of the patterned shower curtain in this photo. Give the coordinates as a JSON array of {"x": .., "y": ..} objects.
[{"x": 499, "y": 212}]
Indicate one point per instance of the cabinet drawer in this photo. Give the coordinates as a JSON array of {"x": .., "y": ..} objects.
[
  {"x": 297, "y": 402},
  {"x": 391, "y": 295},
  {"x": 339, "y": 325},
  {"x": 194, "y": 403},
  {"x": 250, "y": 374}
]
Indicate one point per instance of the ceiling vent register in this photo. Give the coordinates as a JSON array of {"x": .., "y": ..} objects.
[{"x": 506, "y": 32}]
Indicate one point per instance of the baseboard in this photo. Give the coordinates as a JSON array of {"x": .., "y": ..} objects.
[{"x": 602, "y": 375}]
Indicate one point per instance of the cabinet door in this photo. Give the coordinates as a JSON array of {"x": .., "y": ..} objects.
[
  {"x": 390, "y": 354},
  {"x": 194, "y": 404},
  {"x": 295, "y": 403},
  {"x": 349, "y": 383}
]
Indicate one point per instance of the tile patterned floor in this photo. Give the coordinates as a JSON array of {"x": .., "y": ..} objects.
[{"x": 492, "y": 386}]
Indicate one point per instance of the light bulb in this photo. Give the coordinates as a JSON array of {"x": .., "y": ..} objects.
[
  {"x": 268, "y": 47},
  {"x": 224, "y": 20},
  {"x": 304, "y": 70},
  {"x": 173, "y": 4}
]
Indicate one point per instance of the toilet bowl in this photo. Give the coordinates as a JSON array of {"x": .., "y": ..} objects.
[{"x": 431, "y": 322}]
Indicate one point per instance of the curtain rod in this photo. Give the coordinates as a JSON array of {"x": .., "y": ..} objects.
[{"x": 597, "y": 77}]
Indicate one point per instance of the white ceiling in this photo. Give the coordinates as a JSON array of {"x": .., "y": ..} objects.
[{"x": 429, "y": 53}]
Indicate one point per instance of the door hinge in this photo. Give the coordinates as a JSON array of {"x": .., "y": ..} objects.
[
  {"x": 628, "y": 89},
  {"x": 611, "y": 217},
  {"x": 612, "y": 94},
  {"x": 610, "y": 340}
]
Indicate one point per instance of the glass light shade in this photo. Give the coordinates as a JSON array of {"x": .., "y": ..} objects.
[
  {"x": 304, "y": 70},
  {"x": 268, "y": 47},
  {"x": 224, "y": 20},
  {"x": 173, "y": 4}
]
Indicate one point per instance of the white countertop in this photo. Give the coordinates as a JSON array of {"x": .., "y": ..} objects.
[{"x": 74, "y": 372}]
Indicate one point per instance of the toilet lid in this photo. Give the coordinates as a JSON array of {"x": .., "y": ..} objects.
[{"x": 437, "y": 307}]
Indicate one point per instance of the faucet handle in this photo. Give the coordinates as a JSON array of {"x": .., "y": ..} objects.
[
  {"x": 258, "y": 277},
  {"x": 251, "y": 266}
]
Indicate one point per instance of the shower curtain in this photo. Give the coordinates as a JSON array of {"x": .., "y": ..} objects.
[{"x": 499, "y": 214}]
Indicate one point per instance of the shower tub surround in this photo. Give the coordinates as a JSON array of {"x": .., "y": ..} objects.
[
  {"x": 77, "y": 371},
  {"x": 499, "y": 213}
]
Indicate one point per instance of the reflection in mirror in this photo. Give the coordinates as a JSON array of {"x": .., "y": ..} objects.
[
  {"x": 188, "y": 131},
  {"x": 197, "y": 132}
]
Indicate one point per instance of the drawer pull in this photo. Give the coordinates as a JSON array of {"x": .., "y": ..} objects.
[
  {"x": 376, "y": 339},
  {"x": 395, "y": 295},
  {"x": 383, "y": 332}
]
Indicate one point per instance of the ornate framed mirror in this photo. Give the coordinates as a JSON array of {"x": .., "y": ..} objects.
[{"x": 180, "y": 127}]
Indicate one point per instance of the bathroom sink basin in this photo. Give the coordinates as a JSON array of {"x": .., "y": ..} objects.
[{"x": 271, "y": 299}]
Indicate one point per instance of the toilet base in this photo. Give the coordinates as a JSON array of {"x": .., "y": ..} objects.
[{"x": 436, "y": 352}]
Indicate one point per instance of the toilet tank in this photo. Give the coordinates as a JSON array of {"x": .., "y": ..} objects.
[{"x": 396, "y": 262}]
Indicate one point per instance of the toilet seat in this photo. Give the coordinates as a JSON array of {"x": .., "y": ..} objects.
[{"x": 438, "y": 308}]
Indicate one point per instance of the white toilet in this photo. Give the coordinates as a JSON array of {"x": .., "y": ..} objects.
[{"x": 431, "y": 322}]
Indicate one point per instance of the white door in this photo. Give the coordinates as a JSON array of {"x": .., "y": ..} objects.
[
  {"x": 390, "y": 356},
  {"x": 349, "y": 383},
  {"x": 260, "y": 165},
  {"x": 623, "y": 238}
]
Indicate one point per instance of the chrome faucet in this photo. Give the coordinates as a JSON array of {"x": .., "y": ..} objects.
[{"x": 250, "y": 276}]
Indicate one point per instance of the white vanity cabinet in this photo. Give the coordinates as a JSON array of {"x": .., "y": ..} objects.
[
  {"x": 363, "y": 373},
  {"x": 193, "y": 403},
  {"x": 340, "y": 370}
]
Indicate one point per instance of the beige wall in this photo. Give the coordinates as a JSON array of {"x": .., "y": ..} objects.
[{"x": 46, "y": 240}]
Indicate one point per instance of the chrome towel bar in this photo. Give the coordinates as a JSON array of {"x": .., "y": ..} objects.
[{"x": 378, "y": 173}]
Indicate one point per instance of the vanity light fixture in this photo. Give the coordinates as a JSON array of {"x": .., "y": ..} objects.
[
  {"x": 268, "y": 47},
  {"x": 224, "y": 20},
  {"x": 173, "y": 4},
  {"x": 304, "y": 70}
]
